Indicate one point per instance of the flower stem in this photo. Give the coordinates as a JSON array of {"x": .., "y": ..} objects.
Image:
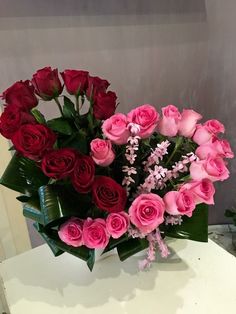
[
  {"x": 77, "y": 103},
  {"x": 177, "y": 145},
  {"x": 59, "y": 106}
]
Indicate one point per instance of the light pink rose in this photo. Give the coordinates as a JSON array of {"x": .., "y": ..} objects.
[
  {"x": 146, "y": 117},
  {"x": 115, "y": 129},
  {"x": 205, "y": 132},
  {"x": 95, "y": 235},
  {"x": 179, "y": 203},
  {"x": 71, "y": 232},
  {"x": 215, "y": 147},
  {"x": 117, "y": 224},
  {"x": 211, "y": 168},
  {"x": 203, "y": 190},
  {"x": 102, "y": 152},
  {"x": 147, "y": 212},
  {"x": 188, "y": 122},
  {"x": 168, "y": 124}
]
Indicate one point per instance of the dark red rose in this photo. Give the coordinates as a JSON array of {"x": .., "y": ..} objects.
[
  {"x": 104, "y": 105},
  {"x": 21, "y": 94},
  {"x": 33, "y": 140},
  {"x": 96, "y": 85},
  {"x": 11, "y": 119},
  {"x": 108, "y": 194},
  {"x": 76, "y": 82},
  {"x": 46, "y": 83},
  {"x": 60, "y": 163},
  {"x": 83, "y": 175}
]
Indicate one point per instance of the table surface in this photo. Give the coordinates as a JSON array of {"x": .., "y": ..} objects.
[{"x": 197, "y": 278}]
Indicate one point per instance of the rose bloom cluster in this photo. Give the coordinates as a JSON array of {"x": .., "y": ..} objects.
[{"x": 147, "y": 210}]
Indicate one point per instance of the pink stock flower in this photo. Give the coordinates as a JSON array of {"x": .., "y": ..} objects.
[
  {"x": 187, "y": 124},
  {"x": 179, "y": 203},
  {"x": 71, "y": 232},
  {"x": 117, "y": 224},
  {"x": 205, "y": 132},
  {"x": 146, "y": 117},
  {"x": 147, "y": 212},
  {"x": 203, "y": 190},
  {"x": 168, "y": 124},
  {"x": 102, "y": 152},
  {"x": 95, "y": 235},
  {"x": 115, "y": 129},
  {"x": 211, "y": 168},
  {"x": 215, "y": 147}
]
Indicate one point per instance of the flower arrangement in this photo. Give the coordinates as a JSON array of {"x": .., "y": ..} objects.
[{"x": 96, "y": 179}]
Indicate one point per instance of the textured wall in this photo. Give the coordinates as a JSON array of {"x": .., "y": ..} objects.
[{"x": 156, "y": 51}]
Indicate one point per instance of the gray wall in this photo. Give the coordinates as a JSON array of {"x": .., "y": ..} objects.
[{"x": 156, "y": 51}]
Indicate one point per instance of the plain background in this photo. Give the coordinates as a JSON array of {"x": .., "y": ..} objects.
[{"x": 152, "y": 51}]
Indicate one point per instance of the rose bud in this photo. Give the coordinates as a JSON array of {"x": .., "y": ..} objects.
[
  {"x": 102, "y": 152},
  {"x": 147, "y": 212},
  {"x": 59, "y": 164},
  {"x": 46, "y": 83},
  {"x": 76, "y": 82},
  {"x": 108, "y": 195},
  {"x": 83, "y": 174},
  {"x": 95, "y": 86},
  {"x": 95, "y": 235},
  {"x": 21, "y": 94},
  {"x": 117, "y": 224},
  {"x": 187, "y": 124},
  {"x": 168, "y": 124},
  {"x": 146, "y": 117},
  {"x": 33, "y": 140},
  {"x": 179, "y": 203},
  {"x": 11, "y": 119},
  {"x": 71, "y": 232},
  {"x": 104, "y": 105}
]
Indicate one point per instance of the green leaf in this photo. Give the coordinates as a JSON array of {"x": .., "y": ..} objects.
[
  {"x": 23, "y": 175},
  {"x": 31, "y": 210},
  {"x": 192, "y": 228},
  {"x": 131, "y": 247},
  {"x": 91, "y": 259},
  {"x": 68, "y": 108},
  {"x": 23, "y": 198},
  {"x": 11, "y": 148},
  {"x": 114, "y": 242},
  {"x": 56, "y": 203},
  {"x": 39, "y": 117},
  {"x": 78, "y": 141},
  {"x": 60, "y": 125}
]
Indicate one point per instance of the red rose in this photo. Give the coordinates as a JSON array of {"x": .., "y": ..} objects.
[
  {"x": 76, "y": 82},
  {"x": 11, "y": 119},
  {"x": 96, "y": 85},
  {"x": 108, "y": 194},
  {"x": 33, "y": 140},
  {"x": 21, "y": 94},
  {"x": 104, "y": 105},
  {"x": 47, "y": 84},
  {"x": 59, "y": 163},
  {"x": 83, "y": 175}
]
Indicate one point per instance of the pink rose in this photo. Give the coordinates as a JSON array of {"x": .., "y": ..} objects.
[
  {"x": 102, "y": 152},
  {"x": 215, "y": 147},
  {"x": 147, "y": 212},
  {"x": 117, "y": 224},
  {"x": 187, "y": 124},
  {"x": 95, "y": 234},
  {"x": 211, "y": 168},
  {"x": 179, "y": 203},
  {"x": 205, "y": 132},
  {"x": 168, "y": 124},
  {"x": 71, "y": 232},
  {"x": 146, "y": 117},
  {"x": 115, "y": 129},
  {"x": 203, "y": 191}
]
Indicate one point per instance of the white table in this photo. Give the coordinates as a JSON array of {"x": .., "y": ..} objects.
[{"x": 199, "y": 279}]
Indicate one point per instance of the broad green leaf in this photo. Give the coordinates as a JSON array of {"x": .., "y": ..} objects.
[
  {"x": 31, "y": 210},
  {"x": 193, "y": 228},
  {"x": 56, "y": 203},
  {"x": 78, "y": 141},
  {"x": 60, "y": 125},
  {"x": 91, "y": 259},
  {"x": 23, "y": 198},
  {"x": 68, "y": 108},
  {"x": 114, "y": 242},
  {"x": 131, "y": 247},
  {"x": 23, "y": 175},
  {"x": 39, "y": 117}
]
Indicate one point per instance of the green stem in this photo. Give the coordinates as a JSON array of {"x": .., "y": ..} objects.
[
  {"x": 77, "y": 103},
  {"x": 59, "y": 106},
  {"x": 177, "y": 145}
]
